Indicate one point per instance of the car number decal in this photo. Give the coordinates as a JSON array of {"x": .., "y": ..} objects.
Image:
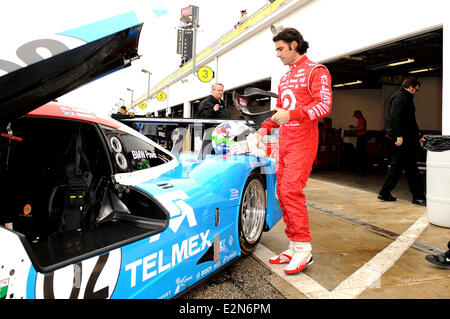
[{"x": 92, "y": 278}]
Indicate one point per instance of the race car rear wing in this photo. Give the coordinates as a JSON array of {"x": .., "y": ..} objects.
[{"x": 241, "y": 102}]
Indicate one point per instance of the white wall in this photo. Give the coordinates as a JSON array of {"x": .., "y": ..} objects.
[
  {"x": 335, "y": 28},
  {"x": 250, "y": 62}
]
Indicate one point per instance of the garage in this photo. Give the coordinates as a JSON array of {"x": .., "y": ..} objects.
[{"x": 364, "y": 81}]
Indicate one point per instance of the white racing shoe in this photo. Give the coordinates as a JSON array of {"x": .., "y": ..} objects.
[
  {"x": 301, "y": 258},
  {"x": 284, "y": 257}
]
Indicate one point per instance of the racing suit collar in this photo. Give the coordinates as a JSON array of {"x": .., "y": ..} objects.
[{"x": 298, "y": 62}]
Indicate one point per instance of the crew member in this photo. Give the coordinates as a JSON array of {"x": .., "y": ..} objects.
[
  {"x": 121, "y": 113},
  {"x": 213, "y": 107},
  {"x": 404, "y": 136},
  {"x": 361, "y": 142}
]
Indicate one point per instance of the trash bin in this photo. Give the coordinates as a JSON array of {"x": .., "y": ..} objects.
[{"x": 438, "y": 179}]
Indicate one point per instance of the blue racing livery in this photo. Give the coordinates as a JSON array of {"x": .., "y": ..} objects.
[
  {"x": 183, "y": 254},
  {"x": 203, "y": 198},
  {"x": 91, "y": 208},
  {"x": 99, "y": 29}
]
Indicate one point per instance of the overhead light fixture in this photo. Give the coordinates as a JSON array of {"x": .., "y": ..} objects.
[
  {"x": 421, "y": 70},
  {"x": 353, "y": 83},
  {"x": 347, "y": 83},
  {"x": 354, "y": 58},
  {"x": 388, "y": 65},
  {"x": 401, "y": 62}
]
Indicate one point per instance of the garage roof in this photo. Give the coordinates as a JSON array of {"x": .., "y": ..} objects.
[{"x": 389, "y": 63}]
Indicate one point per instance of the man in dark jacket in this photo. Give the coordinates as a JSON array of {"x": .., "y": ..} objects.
[
  {"x": 213, "y": 106},
  {"x": 404, "y": 135},
  {"x": 121, "y": 113}
]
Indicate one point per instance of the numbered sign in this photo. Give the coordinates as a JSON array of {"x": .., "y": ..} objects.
[
  {"x": 142, "y": 105},
  {"x": 161, "y": 96},
  {"x": 205, "y": 74}
]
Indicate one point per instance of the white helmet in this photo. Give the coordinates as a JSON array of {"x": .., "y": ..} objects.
[{"x": 228, "y": 133}]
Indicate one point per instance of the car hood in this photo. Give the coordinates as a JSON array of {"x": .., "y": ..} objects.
[{"x": 25, "y": 89}]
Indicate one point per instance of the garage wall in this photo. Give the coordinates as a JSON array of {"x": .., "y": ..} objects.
[
  {"x": 370, "y": 102},
  {"x": 429, "y": 104},
  {"x": 374, "y": 103},
  {"x": 249, "y": 62}
]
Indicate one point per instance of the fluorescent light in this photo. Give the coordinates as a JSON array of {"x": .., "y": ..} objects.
[
  {"x": 387, "y": 65},
  {"x": 353, "y": 83},
  {"x": 347, "y": 84},
  {"x": 401, "y": 62},
  {"x": 421, "y": 70}
]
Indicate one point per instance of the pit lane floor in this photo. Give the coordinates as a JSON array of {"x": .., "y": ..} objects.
[{"x": 363, "y": 249}]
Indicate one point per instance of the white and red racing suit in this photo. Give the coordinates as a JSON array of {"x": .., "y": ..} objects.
[{"x": 304, "y": 91}]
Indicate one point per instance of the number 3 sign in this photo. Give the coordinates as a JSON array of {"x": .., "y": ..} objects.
[
  {"x": 205, "y": 74},
  {"x": 161, "y": 96}
]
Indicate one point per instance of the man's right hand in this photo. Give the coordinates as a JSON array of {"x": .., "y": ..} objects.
[
  {"x": 280, "y": 116},
  {"x": 399, "y": 141},
  {"x": 216, "y": 107}
]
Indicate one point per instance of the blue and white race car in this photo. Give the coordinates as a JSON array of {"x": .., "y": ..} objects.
[{"x": 91, "y": 208}]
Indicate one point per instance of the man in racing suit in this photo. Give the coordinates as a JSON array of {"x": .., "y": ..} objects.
[{"x": 304, "y": 96}]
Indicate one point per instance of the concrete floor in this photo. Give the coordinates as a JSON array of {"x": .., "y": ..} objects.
[{"x": 362, "y": 247}]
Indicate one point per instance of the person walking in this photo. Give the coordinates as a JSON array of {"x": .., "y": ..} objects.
[
  {"x": 304, "y": 96},
  {"x": 404, "y": 136}
]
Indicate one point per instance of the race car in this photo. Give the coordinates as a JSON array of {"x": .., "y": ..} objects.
[{"x": 91, "y": 208}]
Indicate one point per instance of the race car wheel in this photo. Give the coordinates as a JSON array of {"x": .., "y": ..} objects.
[{"x": 252, "y": 213}]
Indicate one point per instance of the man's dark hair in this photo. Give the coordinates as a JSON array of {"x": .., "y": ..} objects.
[
  {"x": 290, "y": 34},
  {"x": 410, "y": 81}
]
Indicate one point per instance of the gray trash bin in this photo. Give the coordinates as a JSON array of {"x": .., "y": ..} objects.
[{"x": 438, "y": 179}]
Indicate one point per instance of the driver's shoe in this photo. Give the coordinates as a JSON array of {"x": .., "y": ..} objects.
[
  {"x": 302, "y": 257},
  {"x": 284, "y": 257}
]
